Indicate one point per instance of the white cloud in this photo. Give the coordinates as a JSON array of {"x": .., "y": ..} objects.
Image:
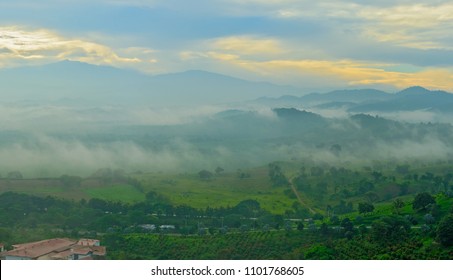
[{"x": 22, "y": 46}]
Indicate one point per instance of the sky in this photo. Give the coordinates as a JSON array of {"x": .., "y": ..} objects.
[{"x": 314, "y": 45}]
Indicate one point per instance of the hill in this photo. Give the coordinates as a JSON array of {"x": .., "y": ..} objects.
[
  {"x": 415, "y": 103},
  {"x": 411, "y": 99},
  {"x": 72, "y": 83}
]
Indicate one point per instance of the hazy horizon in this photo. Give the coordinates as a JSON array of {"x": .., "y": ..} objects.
[{"x": 335, "y": 44}]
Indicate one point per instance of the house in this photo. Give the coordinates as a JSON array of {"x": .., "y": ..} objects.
[
  {"x": 56, "y": 249},
  {"x": 89, "y": 242}
]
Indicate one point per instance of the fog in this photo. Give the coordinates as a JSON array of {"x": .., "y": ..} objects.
[
  {"x": 74, "y": 118},
  {"x": 51, "y": 140}
]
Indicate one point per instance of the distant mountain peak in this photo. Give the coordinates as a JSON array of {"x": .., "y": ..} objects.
[
  {"x": 103, "y": 84},
  {"x": 415, "y": 90}
]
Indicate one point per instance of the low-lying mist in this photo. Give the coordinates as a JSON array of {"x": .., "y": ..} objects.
[{"x": 79, "y": 141}]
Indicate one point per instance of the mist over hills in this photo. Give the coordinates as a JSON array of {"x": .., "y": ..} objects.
[
  {"x": 233, "y": 139},
  {"x": 370, "y": 101},
  {"x": 67, "y": 94},
  {"x": 74, "y": 118}
]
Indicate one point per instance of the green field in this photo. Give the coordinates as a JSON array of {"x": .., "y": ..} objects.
[
  {"x": 222, "y": 190},
  {"x": 228, "y": 188}
]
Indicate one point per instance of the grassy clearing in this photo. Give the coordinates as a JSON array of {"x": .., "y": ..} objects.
[{"x": 226, "y": 189}]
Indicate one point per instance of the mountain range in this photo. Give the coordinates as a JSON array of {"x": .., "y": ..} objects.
[
  {"x": 75, "y": 84},
  {"x": 70, "y": 83},
  {"x": 369, "y": 101}
]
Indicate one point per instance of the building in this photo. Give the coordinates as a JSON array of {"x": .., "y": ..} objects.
[
  {"x": 167, "y": 227},
  {"x": 57, "y": 249},
  {"x": 148, "y": 227}
]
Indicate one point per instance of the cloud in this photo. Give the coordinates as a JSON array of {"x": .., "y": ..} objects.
[
  {"x": 342, "y": 72},
  {"x": 21, "y": 46},
  {"x": 49, "y": 156},
  {"x": 318, "y": 43},
  {"x": 415, "y": 26},
  {"x": 419, "y": 25},
  {"x": 414, "y": 16},
  {"x": 248, "y": 45}
]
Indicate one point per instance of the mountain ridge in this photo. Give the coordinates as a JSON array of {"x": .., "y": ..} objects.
[
  {"x": 414, "y": 98},
  {"x": 106, "y": 84}
]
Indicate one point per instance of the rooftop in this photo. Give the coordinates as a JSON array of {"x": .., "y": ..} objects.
[
  {"x": 58, "y": 248},
  {"x": 36, "y": 249}
]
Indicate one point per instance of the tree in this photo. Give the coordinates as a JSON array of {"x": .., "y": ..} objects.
[
  {"x": 397, "y": 205},
  {"x": 371, "y": 196},
  {"x": 320, "y": 252},
  {"x": 429, "y": 219},
  {"x": 288, "y": 226},
  {"x": 276, "y": 175},
  {"x": 317, "y": 171},
  {"x": 365, "y": 186},
  {"x": 422, "y": 200},
  {"x": 347, "y": 225},
  {"x": 377, "y": 176},
  {"x": 404, "y": 188},
  {"x": 402, "y": 169},
  {"x": 300, "y": 226},
  {"x": 349, "y": 235},
  {"x": 205, "y": 174},
  {"x": 5, "y": 234},
  {"x": 301, "y": 183},
  {"x": 324, "y": 229},
  {"x": 390, "y": 229},
  {"x": 248, "y": 208},
  {"x": 445, "y": 231},
  {"x": 358, "y": 220},
  {"x": 334, "y": 220},
  {"x": 219, "y": 170},
  {"x": 343, "y": 207},
  {"x": 365, "y": 207}
]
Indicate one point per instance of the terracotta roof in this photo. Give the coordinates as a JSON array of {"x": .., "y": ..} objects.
[
  {"x": 62, "y": 255},
  {"x": 81, "y": 250},
  {"x": 40, "y": 248},
  {"x": 58, "y": 248}
]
